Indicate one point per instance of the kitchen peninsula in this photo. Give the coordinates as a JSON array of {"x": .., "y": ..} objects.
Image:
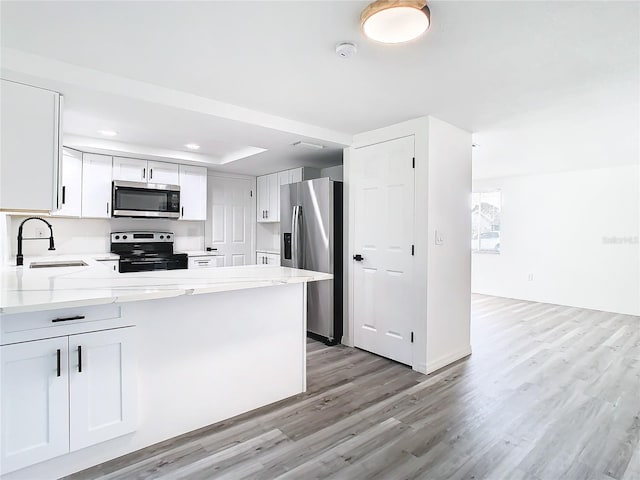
[{"x": 97, "y": 364}]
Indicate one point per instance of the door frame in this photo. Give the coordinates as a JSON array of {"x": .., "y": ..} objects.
[{"x": 419, "y": 129}]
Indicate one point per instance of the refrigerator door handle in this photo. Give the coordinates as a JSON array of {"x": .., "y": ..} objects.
[{"x": 296, "y": 234}]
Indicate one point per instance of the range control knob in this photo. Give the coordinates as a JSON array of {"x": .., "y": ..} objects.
[
  {"x": 162, "y": 236},
  {"x": 124, "y": 237},
  {"x": 117, "y": 237},
  {"x": 168, "y": 237}
]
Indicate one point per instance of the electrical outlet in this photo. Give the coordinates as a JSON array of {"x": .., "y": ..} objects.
[
  {"x": 530, "y": 277},
  {"x": 439, "y": 238},
  {"x": 41, "y": 232}
]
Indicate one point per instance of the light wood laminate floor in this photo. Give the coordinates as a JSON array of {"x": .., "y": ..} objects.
[{"x": 549, "y": 393}]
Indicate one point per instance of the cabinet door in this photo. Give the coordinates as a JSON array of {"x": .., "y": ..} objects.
[
  {"x": 31, "y": 146},
  {"x": 71, "y": 201},
  {"x": 272, "y": 259},
  {"x": 262, "y": 185},
  {"x": 102, "y": 386},
  {"x": 130, "y": 169},
  {"x": 163, "y": 172},
  {"x": 35, "y": 402},
  {"x": 295, "y": 175},
  {"x": 96, "y": 185},
  {"x": 193, "y": 193},
  {"x": 273, "y": 209}
]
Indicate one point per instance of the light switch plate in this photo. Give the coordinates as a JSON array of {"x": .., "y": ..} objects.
[{"x": 439, "y": 238}]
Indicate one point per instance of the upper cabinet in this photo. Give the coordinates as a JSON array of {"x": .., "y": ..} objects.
[
  {"x": 193, "y": 192},
  {"x": 30, "y": 128},
  {"x": 268, "y": 186},
  {"x": 71, "y": 198},
  {"x": 96, "y": 186},
  {"x": 136, "y": 170}
]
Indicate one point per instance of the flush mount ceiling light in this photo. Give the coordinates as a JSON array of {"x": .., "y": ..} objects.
[
  {"x": 192, "y": 146},
  {"x": 108, "y": 133},
  {"x": 395, "y": 21}
]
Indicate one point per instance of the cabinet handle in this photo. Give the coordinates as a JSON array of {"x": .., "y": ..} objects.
[
  {"x": 144, "y": 173},
  {"x": 267, "y": 213},
  {"x": 107, "y": 208},
  {"x": 79, "y": 359},
  {"x": 64, "y": 194},
  {"x": 58, "y": 362},
  {"x": 182, "y": 210},
  {"x": 151, "y": 174},
  {"x": 66, "y": 319}
]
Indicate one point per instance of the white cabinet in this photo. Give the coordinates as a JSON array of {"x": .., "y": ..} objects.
[
  {"x": 110, "y": 264},
  {"x": 66, "y": 393},
  {"x": 268, "y": 186},
  {"x": 193, "y": 193},
  {"x": 96, "y": 185},
  {"x": 30, "y": 151},
  {"x": 264, "y": 258},
  {"x": 71, "y": 199},
  {"x": 137, "y": 170},
  {"x": 209, "y": 261},
  {"x": 35, "y": 402},
  {"x": 268, "y": 208},
  {"x": 102, "y": 386}
]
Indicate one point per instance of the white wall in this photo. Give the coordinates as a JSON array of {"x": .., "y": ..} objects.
[
  {"x": 86, "y": 235},
  {"x": 554, "y": 227}
]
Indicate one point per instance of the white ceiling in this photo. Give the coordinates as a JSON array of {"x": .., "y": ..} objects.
[{"x": 480, "y": 65}]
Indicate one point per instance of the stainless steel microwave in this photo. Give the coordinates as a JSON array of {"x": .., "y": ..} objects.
[{"x": 151, "y": 200}]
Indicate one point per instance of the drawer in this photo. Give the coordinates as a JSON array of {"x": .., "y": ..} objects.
[
  {"x": 21, "y": 327},
  {"x": 203, "y": 262}
]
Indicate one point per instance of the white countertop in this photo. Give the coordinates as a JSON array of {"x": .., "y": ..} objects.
[
  {"x": 27, "y": 290},
  {"x": 200, "y": 253}
]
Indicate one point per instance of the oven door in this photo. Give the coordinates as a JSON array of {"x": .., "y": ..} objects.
[{"x": 133, "y": 199}]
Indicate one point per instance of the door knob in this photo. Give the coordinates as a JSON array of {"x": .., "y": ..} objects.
[{"x": 358, "y": 257}]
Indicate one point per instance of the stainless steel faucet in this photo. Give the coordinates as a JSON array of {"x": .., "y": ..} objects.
[{"x": 19, "y": 257}]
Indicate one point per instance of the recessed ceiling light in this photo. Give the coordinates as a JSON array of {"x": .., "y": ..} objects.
[
  {"x": 395, "y": 21},
  {"x": 308, "y": 145},
  {"x": 108, "y": 133},
  {"x": 192, "y": 146}
]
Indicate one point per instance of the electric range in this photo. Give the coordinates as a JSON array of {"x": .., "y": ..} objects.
[{"x": 146, "y": 251}]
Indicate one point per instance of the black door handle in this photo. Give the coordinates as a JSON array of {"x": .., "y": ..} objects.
[{"x": 358, "y": 257}]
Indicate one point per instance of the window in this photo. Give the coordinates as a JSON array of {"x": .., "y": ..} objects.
[{"x": 485, "y": 225}]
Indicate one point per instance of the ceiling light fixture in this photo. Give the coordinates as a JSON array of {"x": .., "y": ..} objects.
[
  {"x": 395, "y": 21},
  {"x": 192, "y": 146},
  {"x": 308, "y": 145},
  {"x": 108, "y": 133}
]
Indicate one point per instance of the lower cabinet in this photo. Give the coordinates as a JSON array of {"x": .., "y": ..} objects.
[
  {"x": 263, "y": 258},
  {"x": 66, "y": 393},
  {"x": 209, "y": 261}
]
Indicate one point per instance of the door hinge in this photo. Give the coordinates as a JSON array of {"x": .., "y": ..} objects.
[
  {"x": 411, "y": 337},
  {"x": 413, "y": 163},
  {"x": 413, "y": 249}
]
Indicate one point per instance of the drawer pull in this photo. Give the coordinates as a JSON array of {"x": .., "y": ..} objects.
[{"x": 66, "y": 319}]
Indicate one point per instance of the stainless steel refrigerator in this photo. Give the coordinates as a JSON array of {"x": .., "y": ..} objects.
[{"x": 311, "y": 239}]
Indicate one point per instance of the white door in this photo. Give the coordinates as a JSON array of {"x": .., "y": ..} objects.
[
  {"x": 383, "y": 187},
  {"x": 96, "y": 185},
  {"x": 71, "y": 205},
  {"x": 163, "y": 173},
  {"x": 230, "y": 225},
  {"x": 102, "y": 386},
  {"x": 193, "y": 193},
  {"x": 262, "y": 198},
  {"x": 130, "y": 169},
  {"x": 35, "y": 402}
]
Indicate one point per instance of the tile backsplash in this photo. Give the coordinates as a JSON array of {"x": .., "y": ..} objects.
[{"x": 86, "y": 235}]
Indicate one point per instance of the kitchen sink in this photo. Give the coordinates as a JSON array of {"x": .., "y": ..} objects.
[{"x": 59, "y": 263}]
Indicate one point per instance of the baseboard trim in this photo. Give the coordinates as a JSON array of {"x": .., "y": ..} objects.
[{"x": 447, "y": 359}]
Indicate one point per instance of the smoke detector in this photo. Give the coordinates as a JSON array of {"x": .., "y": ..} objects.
[{"x": 346, "y": 49}]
